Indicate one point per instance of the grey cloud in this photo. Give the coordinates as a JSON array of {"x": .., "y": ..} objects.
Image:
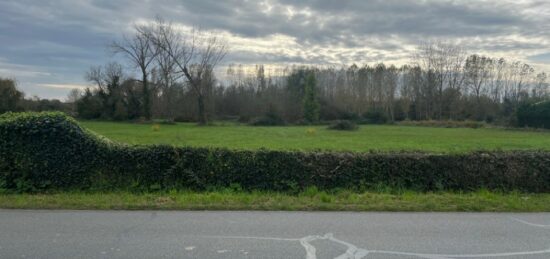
[{"x": 64, "y": 37}]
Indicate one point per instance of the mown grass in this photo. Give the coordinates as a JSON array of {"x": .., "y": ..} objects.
[
  {"x": 307, "y": 138},
  {"x": 309, "y": 200}
]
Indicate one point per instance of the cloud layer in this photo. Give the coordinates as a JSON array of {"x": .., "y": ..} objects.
[{"x": 47, "y": 45}]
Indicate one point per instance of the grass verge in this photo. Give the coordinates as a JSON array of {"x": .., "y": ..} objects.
[{"x": 309, "y": 200}]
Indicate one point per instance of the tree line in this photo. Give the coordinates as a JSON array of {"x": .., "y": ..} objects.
[
  {"x": 443, "y": 82},
  {"x": 12, "y": 99},
  {"x": 476, "y": 88},
  {"x": 177, "y": 82}
]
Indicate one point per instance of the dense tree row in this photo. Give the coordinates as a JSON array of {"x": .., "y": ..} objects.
[
  {"x": 12, "y": 99},
  {"x": 443, "y": 83}
]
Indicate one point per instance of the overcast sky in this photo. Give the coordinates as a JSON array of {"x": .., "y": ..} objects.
[{"x": 47, "y": 45}]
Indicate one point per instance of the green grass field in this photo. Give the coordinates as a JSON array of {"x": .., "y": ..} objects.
[{"x": 368, "y": 137}]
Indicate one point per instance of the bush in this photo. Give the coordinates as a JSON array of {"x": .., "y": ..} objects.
[
  {"x": 184, "y": 119},
  {"x": 167, "y": 122},
  {"x": 50, "y": 151},
  {"x": 535, "y": 115},
  {"x": 46, "y": 150},
  {"x": 343, "y": 125},
  {"x": 444, "y": 124},
  {"x": 330, "y": 112},
  {"x": 375, "y": 117},
  {"x": 243, "y": 119},
  {"x": 270, "y": 119}
]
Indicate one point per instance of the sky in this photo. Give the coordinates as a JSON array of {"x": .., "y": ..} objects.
[{"x": 48, "y": 45}]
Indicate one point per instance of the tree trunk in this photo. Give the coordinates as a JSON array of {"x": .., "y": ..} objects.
[
  {"x": 146, "y": 98},
  {"x": 203, "y": 120},
  {"x": 440, "y": 102}
]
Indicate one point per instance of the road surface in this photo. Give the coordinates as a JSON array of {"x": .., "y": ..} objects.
[{"x": 214, "y": 234}]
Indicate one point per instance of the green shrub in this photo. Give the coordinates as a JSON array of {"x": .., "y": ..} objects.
[
  {"x": 167, "y": 122},
  {"x": 270, "y": 119},
  {"x": 184, "y": 119},
  {"x": 444, "y": 124},
  {"x": 375, "y": 117},
  {"x": 243, "y": 119},
  {"x": 535, "y": 115},
  {"x": 343, "y": 125},
  {"x": 45, "y": 151}
]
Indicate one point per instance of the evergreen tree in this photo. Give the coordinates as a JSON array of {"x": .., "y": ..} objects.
[
  {"x": 89, "y": 106},
  {"x": 10, "y": 97},
  {"x": 311, "y": 104}
]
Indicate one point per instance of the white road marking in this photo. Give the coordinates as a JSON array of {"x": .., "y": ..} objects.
[
  {"x": 529, "y": 223},
  {"x": 441, "y": 256},
  {"x": 259, "y": 238},
  {"x": 189, "y": 248},
  {"x": 353, "y": 252},
  {"x": 310, "y": 249}
]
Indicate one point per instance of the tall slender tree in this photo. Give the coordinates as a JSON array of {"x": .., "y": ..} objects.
[{"x": 311, "y": 103}]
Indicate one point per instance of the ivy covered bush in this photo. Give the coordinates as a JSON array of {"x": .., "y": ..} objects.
[
  {"x": 44, "y": 150},
  {"x": 50, "y": 151}
]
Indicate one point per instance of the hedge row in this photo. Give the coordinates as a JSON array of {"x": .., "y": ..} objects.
[{"x": 40, "y": 151}]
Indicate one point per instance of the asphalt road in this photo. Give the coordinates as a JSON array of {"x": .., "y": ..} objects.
[{"x": 172, "y": 234}]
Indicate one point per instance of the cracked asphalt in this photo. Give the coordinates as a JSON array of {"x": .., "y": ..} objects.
[{"x": 244, "y": 234}]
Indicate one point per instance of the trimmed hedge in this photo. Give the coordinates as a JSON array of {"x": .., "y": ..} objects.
[{"x": 41, "y": 151}]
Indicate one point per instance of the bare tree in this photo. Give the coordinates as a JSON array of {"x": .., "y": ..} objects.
[
  {"x": 140, "y": 50},
  {"x": 498, "y": 79},
  {"x": 525, "y": 73},
  {"x": 74, "y": 95},
  {"x": 108, "y": 79},
  {"x": 540, "y": 89},
  {"x": 390, "y": 80},
  {"x": 95, "y": 75},
  {"x": 444, "y": 62},
  {"x": 104, "y": 76},
  {"x": 168, "y": 76},
  {"x": 195, "y": 54},
  {"x": 477, "y": 71}
]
